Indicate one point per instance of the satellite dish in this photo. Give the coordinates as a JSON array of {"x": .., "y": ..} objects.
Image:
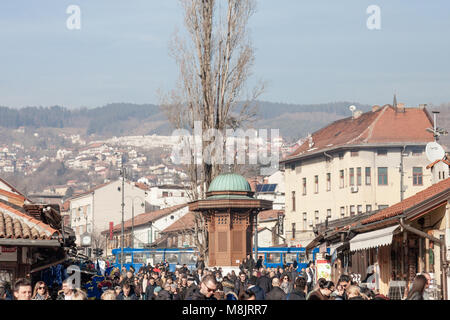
[
  {"x": 434, "y": 151},
  {"x": 352, "y": 108}
]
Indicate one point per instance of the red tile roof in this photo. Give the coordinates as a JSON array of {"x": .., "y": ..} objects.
[
  {"x": 186, "y": 222},
  {"x": 431, "y": 165},
  {"x": 381, "y": 126},
  {"x": 269, "y": 214},
  {"x": 17, "y": 225},
  {"x": 410, "y": 202},
  {"x": 142, "y": 186},
  {"x": 147, "y": 217}
]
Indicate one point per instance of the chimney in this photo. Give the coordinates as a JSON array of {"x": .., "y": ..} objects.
[
  {"x": 422, "y": 106},
  {"x": 400, "y": 107},
  {"x": 375, "y": 108}
]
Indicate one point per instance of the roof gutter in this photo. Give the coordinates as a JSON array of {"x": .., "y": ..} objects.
[{"x": 349, "y": 147}]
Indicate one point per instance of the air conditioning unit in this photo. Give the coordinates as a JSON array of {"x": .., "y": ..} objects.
[
  {"x": 354, "y": 189},
  {"x": 310, "y": 223}
]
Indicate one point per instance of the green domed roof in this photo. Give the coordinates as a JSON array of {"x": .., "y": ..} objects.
[{"x": 229, "y": 182}]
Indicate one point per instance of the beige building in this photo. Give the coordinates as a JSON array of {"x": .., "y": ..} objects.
[
  {"x": 93, "y": 210},
  {"x": 355, "y": 165}
]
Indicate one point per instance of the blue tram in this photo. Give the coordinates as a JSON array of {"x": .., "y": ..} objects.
[
  {"x": 140, "y": 257},
  {"x": 273, "y": 257}
]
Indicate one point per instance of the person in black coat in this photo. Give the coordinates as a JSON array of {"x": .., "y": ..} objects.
[
  {"x": 259, "y": 263},
  {"x": 276, "y": 293},
  {"x": 126, "y": 293},
  {"x": 241, "y": 284},
  {"x": 258, "y": 291},
  {"x": 264, "y": 282},
  {"x": 150, "y": 288},
  {"x": 200, "y": 264},
  {"x": 250, "y": 264},
  {"x": 300, "y": 288},
  {"x": 205, "y": 290}
]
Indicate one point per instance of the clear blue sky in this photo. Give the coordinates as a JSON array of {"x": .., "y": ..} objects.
[{"x": 307, "y": 51}]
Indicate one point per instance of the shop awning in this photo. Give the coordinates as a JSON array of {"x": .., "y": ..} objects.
[{"x": 373, "y": 239}]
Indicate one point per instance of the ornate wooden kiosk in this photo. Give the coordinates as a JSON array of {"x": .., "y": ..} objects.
[{"x": 230, "y": 210}]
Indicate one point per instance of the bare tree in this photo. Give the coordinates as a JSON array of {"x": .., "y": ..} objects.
[{"x": 215, "y": 57}]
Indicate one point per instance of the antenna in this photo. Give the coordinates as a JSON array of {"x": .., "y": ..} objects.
[{"x": 434, "y": 151}]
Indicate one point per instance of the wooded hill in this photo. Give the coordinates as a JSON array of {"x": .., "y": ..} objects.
[{"x": 118, "y": 119}]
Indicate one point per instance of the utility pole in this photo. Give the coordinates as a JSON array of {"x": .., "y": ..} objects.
[
  {"x": 132, "y": 224},
  {"x": 123, "y": 214}
]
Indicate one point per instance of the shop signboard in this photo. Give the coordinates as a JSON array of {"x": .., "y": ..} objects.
[
  {"x": 323, "y": 269},
  {"x": 8, "y": 254}
]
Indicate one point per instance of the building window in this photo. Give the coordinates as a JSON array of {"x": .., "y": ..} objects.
[
  {"x": 368, "y": 179},
  {"x": 360, "y": 209},
  {"x": 352, "y": 176},
  {"x": 182, "y": 194},
  {"x": 165, "y": 194},
  {"x": 382, "y": 206},
  {"x": 328, "y": 213},
  {"x": 341, "y": 178},
  {"x": 382, "y": 176},
  {"x": 352, "y": 211},
  {"x": 418, "y": 176},
  {"x": 358, "y": 176},
  {"x": 316, "y": 216},
  {"x": 305, "y": 217},
  {"x": 292, "y": 166},
  {"x": 382, "y": 152},
  {"x": 316, "y": 184},
  {"x": 293, "y": 200},
  {"x": 293, "y": 231},
  {"x": 368, "y": 208},
  {"x": 354, "y": 153},
  {"x": 328, "y": 181},
  {"x": 417, "y": 152},
  {"x": 342, "y": 212},
  {"x": 304, "y": 186},
  {"x": 341, "y": 155}
]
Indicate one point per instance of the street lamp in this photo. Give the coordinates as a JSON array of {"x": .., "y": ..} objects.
[{"x": 132, "y": 215}]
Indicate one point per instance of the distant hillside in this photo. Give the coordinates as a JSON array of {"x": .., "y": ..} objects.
[{"x": 118, "y": 119}]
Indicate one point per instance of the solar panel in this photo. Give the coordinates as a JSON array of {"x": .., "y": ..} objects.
[
  {"x": 272, "y": 187},
  {"x": 264, "y": 188},
  {"x": 258, "y": 187}
]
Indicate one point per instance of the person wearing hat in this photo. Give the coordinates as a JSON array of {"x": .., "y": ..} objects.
[
  {"x": 175, "y": 292},
  {"x": 228, "y": 290},
  {"x": 191, "y": 286},
  {"x": 156, "y": 291}
]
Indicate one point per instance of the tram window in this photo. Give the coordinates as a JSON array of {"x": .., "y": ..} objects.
[
  {"x": 138, "y": 258},
  {"x": 127, "y": 257},
  {"x": 290, "y": 257},
  {"x": 273, "y": 258},
  {"x": 187, "y": 258},
  {"x": 157, "y": 258},
  {"x": 172, "y": 258},
  {"x": 302, "y": 257}
]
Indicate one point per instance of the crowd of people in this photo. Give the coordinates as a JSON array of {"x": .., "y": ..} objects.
[{"x": 253, "y": 282}]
